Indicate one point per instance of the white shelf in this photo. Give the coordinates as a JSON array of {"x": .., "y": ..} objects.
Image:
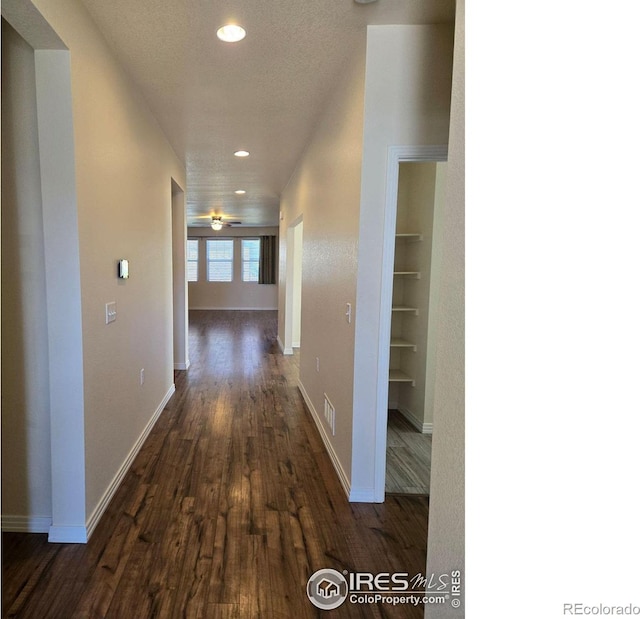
[
  {"x": 398, "y": 342},
  {"x": 409, "y": 236},
  {"x": 398, "y": 376},
  {"x": 404, "y": 308},
  {"x": 415, "y": 274}
]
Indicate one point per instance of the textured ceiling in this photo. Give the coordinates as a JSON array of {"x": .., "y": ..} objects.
[{"x": 264, "y": 94}]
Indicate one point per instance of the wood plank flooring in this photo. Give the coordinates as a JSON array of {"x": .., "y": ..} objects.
[
  {"x": 230, "y": 506},
  {"x": 408, "y": 457}
]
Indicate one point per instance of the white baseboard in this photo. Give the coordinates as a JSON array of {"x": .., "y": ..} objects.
[
  {"x": 418, "y": 424},
  {"x": 283, "y": 350},
  {"x": 363, "y": 495},
  {"x": 117, "y": 480},
  {"x": 26, "y": 524},
  {"x": 295, "y": 345},
  {"x": 182, "y": 366},
  {"x": 342, "y": 476},
  {"x": 235, "y": 309},
  {"x": 68, "y": 535}
]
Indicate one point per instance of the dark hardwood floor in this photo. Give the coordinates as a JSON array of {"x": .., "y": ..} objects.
[{"x": 230, "y": 506}]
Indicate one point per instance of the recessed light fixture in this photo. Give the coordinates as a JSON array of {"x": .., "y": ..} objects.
[
  {"x": 231, "y": 33},
  {"x": 240, "y": 192},
  {"x": 241, "y": 153}
]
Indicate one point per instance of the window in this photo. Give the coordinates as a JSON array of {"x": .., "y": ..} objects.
[
  {"x": 250, "y": 260},
  {"x": 192, "y": 260},
  {"x": 220, "y": 260}
]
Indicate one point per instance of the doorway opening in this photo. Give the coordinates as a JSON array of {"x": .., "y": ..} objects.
[
  {"x": 293, "y": 300},
  {"x": 180, "y": 291},
  {"x": 297, "y": 286},
  {"x": 411, "y": 267}
]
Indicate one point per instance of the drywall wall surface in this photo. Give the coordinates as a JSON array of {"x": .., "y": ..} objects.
[
  {"x": 124, "y": 169},
  {"x": 325, "y": 191},
  {"x": 26, "y": 447},
  {"x": 407, "y": 98},
  {"x": 445, "y": 551},
  {"x": 235, "y": 294}
]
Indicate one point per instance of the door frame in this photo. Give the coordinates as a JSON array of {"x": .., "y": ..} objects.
[
  {"x": 179, "y": 278},
  {"x": 291, "y": 249},
  {"x": 395, "y": 156}
]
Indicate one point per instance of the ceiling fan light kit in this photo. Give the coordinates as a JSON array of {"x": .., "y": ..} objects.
[{"x": 217, "y": 223}]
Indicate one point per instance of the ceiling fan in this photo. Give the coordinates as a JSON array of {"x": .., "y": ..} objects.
[{"x": 218, "y": 224}]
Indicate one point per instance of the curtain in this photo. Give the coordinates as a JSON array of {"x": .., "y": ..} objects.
[{"x": 267, "y": 260}]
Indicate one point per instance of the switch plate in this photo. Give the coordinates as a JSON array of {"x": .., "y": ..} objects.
[{"x": 110, "y": 312}]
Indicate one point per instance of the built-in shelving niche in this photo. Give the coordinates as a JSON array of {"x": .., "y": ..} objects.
[
  {"x": 418, "y": 193},
  {"x": 411, "y": 374}
]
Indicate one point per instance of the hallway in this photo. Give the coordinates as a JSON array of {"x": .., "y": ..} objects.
[{"x": 230, "y": 506}]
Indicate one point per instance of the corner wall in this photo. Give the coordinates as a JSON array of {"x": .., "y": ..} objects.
[
  {"x": 26, "y": 449},
  {"x": 124, "y": 168},
  {"x": 395, "y": 91},
  {"x": 325, "y": 191},
  {"x": 407, "y": 98}
]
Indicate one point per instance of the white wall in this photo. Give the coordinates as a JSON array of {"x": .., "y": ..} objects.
[
  {"x": 408, "y": 85},
  {"x": 445, "y": 550},
  {"x": 124, "y": 168},
  {"x": 236, "y": 294},
  {"x": 325, "y": 190},
  {"x": 26, "y": 452}
]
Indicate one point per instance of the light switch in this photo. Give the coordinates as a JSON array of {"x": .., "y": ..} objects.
[{"x": 110, "y": 311}]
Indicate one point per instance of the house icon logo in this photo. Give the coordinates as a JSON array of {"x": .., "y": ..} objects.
[{"x": 327, "y": 589}]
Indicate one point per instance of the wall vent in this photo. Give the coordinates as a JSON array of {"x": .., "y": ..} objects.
[{"x": 330, "y": 415}]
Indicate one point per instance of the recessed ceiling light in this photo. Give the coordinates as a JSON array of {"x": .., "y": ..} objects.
[
  {"x": 231, "y": 33},
  {"x": 241, "y": 153},
  {"x": 240, "y": 192}
]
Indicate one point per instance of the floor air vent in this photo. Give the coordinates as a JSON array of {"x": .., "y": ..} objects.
[{"x": 330, "y": 415}]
